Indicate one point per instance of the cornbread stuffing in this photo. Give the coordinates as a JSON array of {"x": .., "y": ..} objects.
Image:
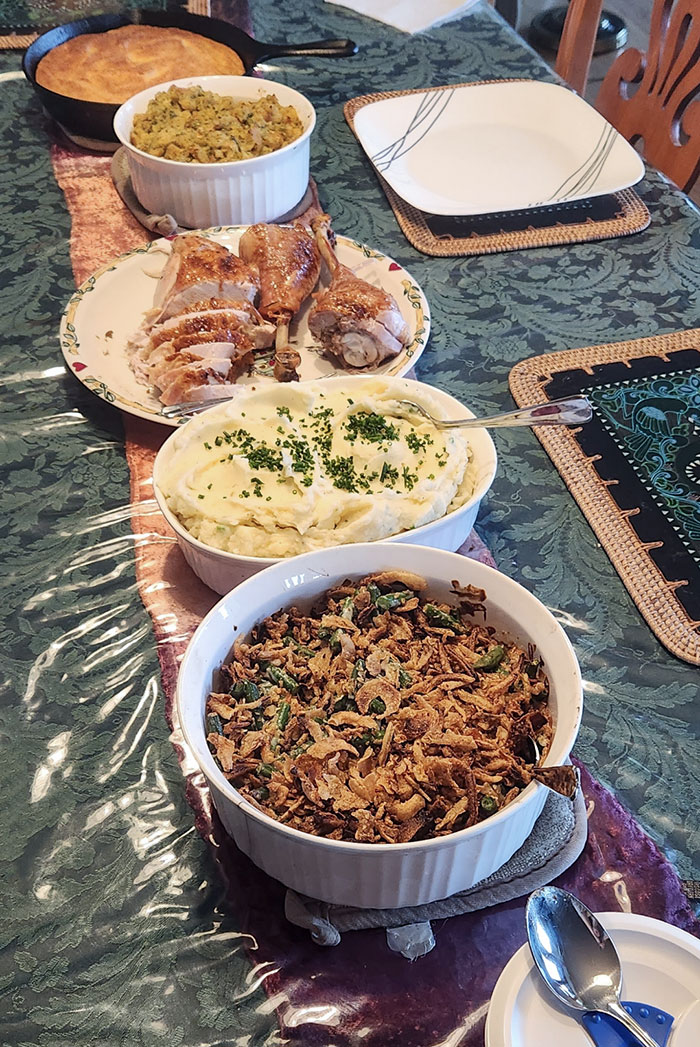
[{"x": 192, "y": 125}]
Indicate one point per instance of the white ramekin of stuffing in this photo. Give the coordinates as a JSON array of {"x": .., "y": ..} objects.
[
  {"x": 218, "y": 150},
  {"x": 376, "y": 721}
]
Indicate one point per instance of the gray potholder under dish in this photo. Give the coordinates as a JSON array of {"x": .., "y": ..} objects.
[{"x": 553, "y": 845}]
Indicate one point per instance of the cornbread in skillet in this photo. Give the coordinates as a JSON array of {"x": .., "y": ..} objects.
[
  {"x": 113, "y": 66},
  {"x": 192, "y": 125}
]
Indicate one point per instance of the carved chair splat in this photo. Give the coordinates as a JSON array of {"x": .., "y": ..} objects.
[{"x": 653, "y": 96}]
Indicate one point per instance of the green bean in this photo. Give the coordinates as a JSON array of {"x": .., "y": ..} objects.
[
  {"x": 334, "y": 641},
  {"x": 283, "y": 710},
  {"x": 347, "y": 609},
  {"x": 246, "y": 690},
  {"x": 289, "y": 641},
  {"x": 282, "y": 678},
  {"x": 214, "y": 724},
  {"x": 403, "y": 677},
  {"x": 488, "y": 804},
  {"x": 344, "y": 705},
  {"x": 441, "y": 619},
  {"x": 265, "y": 770},
  {"x": 368, "y": 738},
  {"x": 492, "y": 659},
  {"x": 359, "y": 673},
  {"x": 376, "y": 707},
  {"x": 300, "y": 748},
  {"x": 374, "y": 592},
  {"x": 389, "y": 601},
  {"x": 261, "y": 794},
  {"x": 362, "y": 741}
]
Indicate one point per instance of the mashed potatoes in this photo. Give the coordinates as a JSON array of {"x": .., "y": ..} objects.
[
  {"x": 286, "y": 469},
  {"x": 192, "y": 125}
]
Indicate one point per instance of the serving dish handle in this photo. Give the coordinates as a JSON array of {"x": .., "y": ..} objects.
[{"x": 321, "y": 48}]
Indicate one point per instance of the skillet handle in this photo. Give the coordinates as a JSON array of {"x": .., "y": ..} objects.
[{"x": 321, "y": 48}]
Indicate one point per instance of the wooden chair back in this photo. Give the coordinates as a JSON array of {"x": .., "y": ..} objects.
[
  {"x": 652, "y": 99},
  {"x": 577, "y": 42}
]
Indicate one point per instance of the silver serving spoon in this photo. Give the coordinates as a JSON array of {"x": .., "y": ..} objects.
[
  {"x": 572, "y": 410},
  {"x": 576, "y": 958}
]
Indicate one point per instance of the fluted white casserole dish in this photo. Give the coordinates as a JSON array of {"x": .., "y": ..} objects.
[
  {"x": 362, "y": 874},
  {"x": 239, "y": 192},
  {"x": 221, "y": 570}
]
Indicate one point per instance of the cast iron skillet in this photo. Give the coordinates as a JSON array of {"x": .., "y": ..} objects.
[{"x": 93, "y": 120}]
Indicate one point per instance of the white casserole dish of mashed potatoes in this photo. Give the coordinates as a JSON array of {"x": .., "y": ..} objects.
[{"x": 286, "y": 469}]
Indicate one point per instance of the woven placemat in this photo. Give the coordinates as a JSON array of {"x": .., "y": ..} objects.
[
  {"x": 660, "y": 570},
  {"x": 57, "y": 14},
  {"x": 595, "y": 218}
]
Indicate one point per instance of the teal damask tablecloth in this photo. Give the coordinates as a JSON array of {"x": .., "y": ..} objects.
[{"x": 111, "y": 899}]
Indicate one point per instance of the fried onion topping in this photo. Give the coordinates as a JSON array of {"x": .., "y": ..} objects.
[{"x": 381, "y": 715}]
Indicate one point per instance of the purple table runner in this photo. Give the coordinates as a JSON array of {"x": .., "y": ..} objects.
[{"x": 359, "y": 992}]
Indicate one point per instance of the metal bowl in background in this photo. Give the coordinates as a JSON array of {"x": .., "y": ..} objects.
[{"x": 90, "y": 123}]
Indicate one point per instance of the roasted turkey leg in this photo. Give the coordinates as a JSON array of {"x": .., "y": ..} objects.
[
  {"x": 357, "y": 323},
  {"x": 289, "y": 264}
]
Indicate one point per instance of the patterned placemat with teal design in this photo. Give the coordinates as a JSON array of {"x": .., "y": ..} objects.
[
  {"x": 635, "y": 467},
  {"x": 652, "y": 424}
]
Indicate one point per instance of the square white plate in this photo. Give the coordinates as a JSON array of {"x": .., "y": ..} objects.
[{"x": 500, "y": 146}]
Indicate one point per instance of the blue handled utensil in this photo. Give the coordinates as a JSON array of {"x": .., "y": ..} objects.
[
  {"x": 607, "y": 1032},
  {"x": 578, "y": 960}
]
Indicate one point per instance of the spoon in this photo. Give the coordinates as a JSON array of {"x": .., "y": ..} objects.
[
  {"x": 572, "y": 410},
  {"x": 576, "y": 958}
]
